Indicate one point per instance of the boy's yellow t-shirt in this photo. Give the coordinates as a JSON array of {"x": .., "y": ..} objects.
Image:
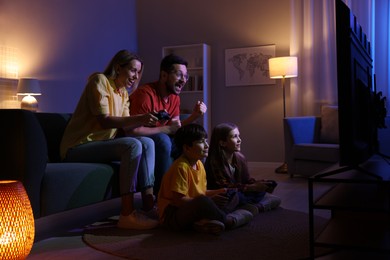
[{"x": 183, "y": 179}]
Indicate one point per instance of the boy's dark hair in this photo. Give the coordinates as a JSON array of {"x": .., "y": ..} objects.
[
  {"x": 188, "y": 134},
  {"x": 169, "y": 60}
]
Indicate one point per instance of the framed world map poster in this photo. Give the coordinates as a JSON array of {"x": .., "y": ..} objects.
[{"x": 248, "y": 66}]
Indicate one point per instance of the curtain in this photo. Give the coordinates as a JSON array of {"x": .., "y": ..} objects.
[
  {"x": 381, "y": 51},
  {"x": 313, "y": 41}
]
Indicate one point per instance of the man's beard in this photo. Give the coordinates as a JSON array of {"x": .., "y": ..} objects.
[{"x": 171, "y": 89}]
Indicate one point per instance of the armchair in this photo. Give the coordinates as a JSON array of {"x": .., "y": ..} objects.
[{"x": 311, "y": 142}]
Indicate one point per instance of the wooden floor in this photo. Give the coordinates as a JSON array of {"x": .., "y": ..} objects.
[{"x": 292, "y": 191}]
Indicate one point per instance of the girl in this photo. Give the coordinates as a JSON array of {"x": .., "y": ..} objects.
[{"x": 226, "y": 167}]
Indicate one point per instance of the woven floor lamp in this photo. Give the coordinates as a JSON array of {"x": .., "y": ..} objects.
[{"x": 16, "y": 221}]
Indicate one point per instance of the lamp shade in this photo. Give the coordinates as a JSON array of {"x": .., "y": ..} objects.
[
  {"x": 283, "y": 67},
  {"x": 28, "y": 86},
  {"x": 16, "y": 221}
]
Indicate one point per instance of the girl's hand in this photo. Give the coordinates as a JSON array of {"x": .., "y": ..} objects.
[{"x": 220, "y": 200}]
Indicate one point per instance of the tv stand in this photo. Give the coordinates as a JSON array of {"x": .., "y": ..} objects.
[
  {"x": 359, "y": 203},
  {"x": 348, "y": 168}
]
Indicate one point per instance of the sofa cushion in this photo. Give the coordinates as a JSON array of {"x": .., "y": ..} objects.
[
  {"x": 329, "y": 132},
  {"x": 316, "y": 152},
  {"x": 72, "y": 185}
]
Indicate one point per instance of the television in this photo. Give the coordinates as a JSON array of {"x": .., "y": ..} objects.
[{"x": 360, "y": 107}]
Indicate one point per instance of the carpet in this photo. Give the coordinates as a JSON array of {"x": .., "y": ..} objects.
[{"x": 278, "y": 234}]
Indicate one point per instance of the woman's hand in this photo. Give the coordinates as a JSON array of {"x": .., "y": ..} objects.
[{"x": 149, "y": 119}]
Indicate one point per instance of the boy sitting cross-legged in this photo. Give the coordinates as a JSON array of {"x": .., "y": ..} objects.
[{"x": 183, "y": 200}]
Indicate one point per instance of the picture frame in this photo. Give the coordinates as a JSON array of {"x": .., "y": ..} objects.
[{"x": 248, "y": 66}]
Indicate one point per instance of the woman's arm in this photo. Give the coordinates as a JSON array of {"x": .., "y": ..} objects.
[{"x": 107, "y": 121}]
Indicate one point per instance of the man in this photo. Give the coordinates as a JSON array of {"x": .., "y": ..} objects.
[{"x": 163, "y": 95}]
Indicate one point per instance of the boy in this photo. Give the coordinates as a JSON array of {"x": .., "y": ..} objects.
[{"x": 183, "y": 200}]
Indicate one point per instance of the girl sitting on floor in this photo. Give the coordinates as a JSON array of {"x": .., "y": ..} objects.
[{"x": 226, "y": 167}]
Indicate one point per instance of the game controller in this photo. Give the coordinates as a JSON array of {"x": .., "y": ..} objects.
[
  {"x": 162, "y": 115},
  {"x": 271, "y": 185}
]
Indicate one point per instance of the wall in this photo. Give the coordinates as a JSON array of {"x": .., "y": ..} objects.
[
  {"x": 225, "y": 24},
  {"x": 61, "y": 42}
]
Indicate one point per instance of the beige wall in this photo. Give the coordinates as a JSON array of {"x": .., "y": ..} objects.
[
  {"x": 61, "y": 42},
  {"x": 225, "y": 24}
]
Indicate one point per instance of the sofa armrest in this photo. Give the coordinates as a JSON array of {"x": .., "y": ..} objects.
[
  {"x": 302, "y": 129},
  {"x": 298, "y": 130},
  {"x": 23, "y": 152}
]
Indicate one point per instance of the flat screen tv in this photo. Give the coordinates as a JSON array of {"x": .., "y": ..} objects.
[{"x": 357, "y": 97}]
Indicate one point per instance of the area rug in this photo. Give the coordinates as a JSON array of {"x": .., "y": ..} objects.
[{"x": 278, "y": 234}]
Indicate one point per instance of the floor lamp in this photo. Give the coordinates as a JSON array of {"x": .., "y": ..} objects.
[{"x": 282, "y": 68}]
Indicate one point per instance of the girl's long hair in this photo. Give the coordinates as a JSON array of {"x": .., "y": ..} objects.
[{"x": 219, "y": 133}]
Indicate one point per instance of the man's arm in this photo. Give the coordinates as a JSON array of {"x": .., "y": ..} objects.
[
  {"x": 146, "y": 130},
  {"x": 199, "y": 110}
]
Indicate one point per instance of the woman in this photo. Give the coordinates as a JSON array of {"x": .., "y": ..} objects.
[
  {"x": 92, "y": 135},
  {"x": 226, "y": 167}
]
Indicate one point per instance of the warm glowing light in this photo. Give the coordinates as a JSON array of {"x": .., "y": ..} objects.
[
  {"x": 29, "y": 103},
  {"x": 29, "y": 87},
  {"x": 9, "y": 62},
  {"x": 16, "y": 221},
  {"x": 283, "y": 67}
]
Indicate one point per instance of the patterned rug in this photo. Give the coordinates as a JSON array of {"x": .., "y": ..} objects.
[{"x": 278, "y": 234}]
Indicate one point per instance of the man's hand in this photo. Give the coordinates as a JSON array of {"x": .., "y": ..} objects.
[
  {"x": 172, "y": 127},
  {"x": 200, "y": 108}
]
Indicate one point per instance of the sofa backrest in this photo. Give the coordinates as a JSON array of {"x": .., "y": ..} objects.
[{"x": 53, "y": 126}]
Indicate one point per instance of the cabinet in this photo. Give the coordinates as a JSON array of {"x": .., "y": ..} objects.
[
  {"x": 359, "y": 203},
  {"x": 198, "y": 84}
]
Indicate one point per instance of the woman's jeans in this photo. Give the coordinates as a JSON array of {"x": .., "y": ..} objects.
[{"x": 136, "y": 156}]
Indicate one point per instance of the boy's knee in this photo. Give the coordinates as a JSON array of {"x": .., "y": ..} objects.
[{"x": 203, "y": 202}]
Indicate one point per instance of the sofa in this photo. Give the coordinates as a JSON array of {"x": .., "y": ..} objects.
[
  {"x": 62, "y": 194},
  {"x": 311, "y": 142}
]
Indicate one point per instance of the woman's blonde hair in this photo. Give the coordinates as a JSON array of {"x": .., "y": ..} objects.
[{"x": 122, "y": 58}]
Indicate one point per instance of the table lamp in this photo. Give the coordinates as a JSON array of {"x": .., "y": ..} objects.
[
  {"x": 29, "y": 88},
  {"x": 16, "y": 221},
  {"x": 282, "y": 68}
]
